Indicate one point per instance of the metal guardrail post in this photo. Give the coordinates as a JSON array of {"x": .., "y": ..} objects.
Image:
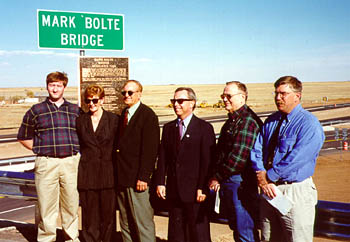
[{"x": 333, "y": 220}]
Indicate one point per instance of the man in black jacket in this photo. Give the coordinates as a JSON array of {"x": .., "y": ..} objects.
[
  {"x": 185, "y": 156},
  {"x": 137, "y": 148}
]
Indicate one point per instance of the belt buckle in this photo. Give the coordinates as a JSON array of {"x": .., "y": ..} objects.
[{"x": 283, "y": 182}]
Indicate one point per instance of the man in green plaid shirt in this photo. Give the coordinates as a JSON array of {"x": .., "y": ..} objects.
[{"x": 232, "y": 172}]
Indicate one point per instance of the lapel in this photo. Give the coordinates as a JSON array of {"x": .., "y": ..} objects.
[
  {"x": 189, "y": 132},
  {"x": 95, "y": 137},
  {"x": 102, "y": 129},
  {"x": 174, "y": 136},
  {"x": 133, "y": 121},
  {"x": 88, "y": 131}
]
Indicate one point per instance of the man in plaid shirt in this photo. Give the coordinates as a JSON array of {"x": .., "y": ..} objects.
[
  {"x": 232, "y": 172},
  {"x": 48, "y": 129}
]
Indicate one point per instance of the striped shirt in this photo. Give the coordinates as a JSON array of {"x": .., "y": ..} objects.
[
  {"x": 52, "y": 129},
  {"x": 236, "y": 140}
]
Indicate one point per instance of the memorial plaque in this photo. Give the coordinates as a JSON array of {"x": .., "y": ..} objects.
[{"x": 109, "y": 72}]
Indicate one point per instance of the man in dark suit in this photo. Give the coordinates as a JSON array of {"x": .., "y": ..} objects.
[
  {"x": 137, "y": 149},
  {"x": 185, "y": 155}
]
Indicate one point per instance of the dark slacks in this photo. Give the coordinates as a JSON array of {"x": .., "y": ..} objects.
[
  {"x": 98, "y": 214},
  {"x": 188, "y": 222}
]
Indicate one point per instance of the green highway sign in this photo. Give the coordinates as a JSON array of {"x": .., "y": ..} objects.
[{"x": 73, "y": 30}]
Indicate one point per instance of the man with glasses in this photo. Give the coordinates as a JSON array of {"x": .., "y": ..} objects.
[
  {"x": 284, "y": 157},
  {"x": 49, "y": 130},
  {"x": 185, "y": 155},
  {"x": 137, "y": 149},
  {"x": 232, "y": 172}
]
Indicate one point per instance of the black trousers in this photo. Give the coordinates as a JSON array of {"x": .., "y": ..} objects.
[
  {"x": 98, "y": 214},
  {"x": 188, "y": 222}
]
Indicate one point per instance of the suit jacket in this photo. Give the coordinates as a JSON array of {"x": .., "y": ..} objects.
[
  {"x": 96, "y": 166},
  {"x": 186, "y": 166},
  {"x": 137, "y": 147}
]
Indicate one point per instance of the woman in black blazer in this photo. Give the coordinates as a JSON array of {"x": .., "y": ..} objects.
[{"x": 96, "y": 179}]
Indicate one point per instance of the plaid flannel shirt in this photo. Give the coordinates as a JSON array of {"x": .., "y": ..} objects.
[
  {"x": 52, "y": 129},
  {"x": 237, "y": 137}
]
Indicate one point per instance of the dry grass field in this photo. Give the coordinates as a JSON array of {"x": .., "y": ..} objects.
[{"x": 260, "y": 98}]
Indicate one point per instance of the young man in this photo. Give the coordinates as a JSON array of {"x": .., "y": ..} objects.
[
  {"x": 186, "y": 152},
  {"x": 284, "y": 157},
  {"x": 137, "y": 149},
  {"x": 48, "y": 129},
  {"x": 233, "y": 172}
]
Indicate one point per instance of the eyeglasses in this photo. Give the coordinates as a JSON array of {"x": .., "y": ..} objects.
[
  {"x": 94, "y": 100},
  {"x": 180, "y": 100},
  {"x": 283, "y": 94},
  {"x": 228, "y": 96},
  {"x": 130, "y": 93}
]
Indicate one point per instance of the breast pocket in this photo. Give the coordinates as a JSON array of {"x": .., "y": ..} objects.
[{"x": 287, "y": 143}]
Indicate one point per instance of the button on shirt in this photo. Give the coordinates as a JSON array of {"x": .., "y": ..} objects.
[
  {"x": 300, "y": 139},
  {"x": 52, "y": 129}
]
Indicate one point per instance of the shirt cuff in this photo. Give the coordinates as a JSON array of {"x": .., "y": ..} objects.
[{"x": 272, "y": 175}]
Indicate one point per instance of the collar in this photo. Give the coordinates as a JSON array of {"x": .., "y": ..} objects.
[
  {"x": 186, "y": 120},
  {"x": 294, "y": 112},
  {"x": 47, "y": 100},
  {"x": 237, "y": 113},
  {"x": 133, "y": 109}
]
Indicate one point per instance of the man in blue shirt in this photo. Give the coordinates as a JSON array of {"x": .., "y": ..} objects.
[{"x": 284, "y": 158}]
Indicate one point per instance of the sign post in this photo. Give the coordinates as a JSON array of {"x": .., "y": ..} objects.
[{"x": 73, "y": 30}]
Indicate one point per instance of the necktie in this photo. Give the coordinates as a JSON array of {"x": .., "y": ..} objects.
[
  {"x": 273, "y": 143},
  {"x": 181, "y": 128},
  {"x": 125, "y": 122},
  {"x": 126, "y": 118}
]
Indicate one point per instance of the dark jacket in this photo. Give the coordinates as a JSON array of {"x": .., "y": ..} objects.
[
  {"x": 137, "y": 147},
  {"x": 96, "y": 166},
  {"x": 186, "y": 167}
]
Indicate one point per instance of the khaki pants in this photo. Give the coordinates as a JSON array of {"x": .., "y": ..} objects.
[
  {"x": 56, "y": 186},
  {"x": 298, "y": 224}
]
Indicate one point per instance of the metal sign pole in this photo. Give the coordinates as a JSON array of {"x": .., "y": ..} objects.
[
  {"x": 81, "y": 53},
  {"x": 336, "y": 137}
]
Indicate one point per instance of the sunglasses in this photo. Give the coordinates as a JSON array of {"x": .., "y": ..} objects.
[
  {"x": 179, "y": 101},
  {"x": 228, "y": 96},
  {"x": 94, "y": 100},
  {"x": 130, "y": 93}
]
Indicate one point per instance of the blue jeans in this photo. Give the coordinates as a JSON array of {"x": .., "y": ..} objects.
[{"x": 240, "y": 204}]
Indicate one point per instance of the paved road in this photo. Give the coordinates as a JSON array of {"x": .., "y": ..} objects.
[{"x": 17, "y": 210}]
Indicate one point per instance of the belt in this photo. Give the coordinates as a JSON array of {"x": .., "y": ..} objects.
[
  {"x": 279, "y": 182},
  {"x": 57, "y": 156}
]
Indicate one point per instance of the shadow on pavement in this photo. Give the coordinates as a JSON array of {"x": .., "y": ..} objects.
[{"x": 15, "y": 231}]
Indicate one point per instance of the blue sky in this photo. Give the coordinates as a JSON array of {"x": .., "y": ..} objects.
[{"x": 191, "y": 42}]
